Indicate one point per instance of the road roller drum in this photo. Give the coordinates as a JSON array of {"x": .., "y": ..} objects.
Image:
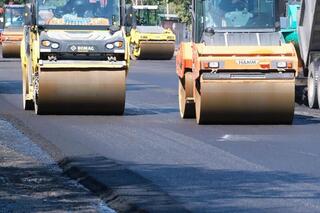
[
  {"x": 259, "y": 100},
  {"x": 11, "y": 49},
  {"x": 156, "y": 50},
  {"x": 81, "y": 91},
  {"x": 186, "y": 102}
]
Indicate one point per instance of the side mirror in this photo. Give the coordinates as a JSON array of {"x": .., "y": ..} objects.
[
  {"x": 128, "y": 24},
  {"x": 28, "y": 15},
  {"x": 192, "y": 12},
  {"x": 129, "y": 16},
  {"x": 2, "y": 23},
  {"x": 115, "y": 19}
]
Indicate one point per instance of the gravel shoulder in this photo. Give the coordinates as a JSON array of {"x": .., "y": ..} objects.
[{"x": 30, "y": 181}]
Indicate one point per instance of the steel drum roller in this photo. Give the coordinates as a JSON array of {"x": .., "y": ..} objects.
[
  {"x": 11, "y": 49},
  {"x": 156, "y": 50},
  {"x": 266, "y": 101},
  {"x": 86, "y": 91}
]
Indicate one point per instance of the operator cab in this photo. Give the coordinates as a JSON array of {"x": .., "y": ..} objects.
[
  {"x": 235, "y": 16},
  {"x": 14, "y": 16},
  {"x": 78, "y": 13},
  {"x": 79, "y": 29},
  {"x": 146, "y": 15}
]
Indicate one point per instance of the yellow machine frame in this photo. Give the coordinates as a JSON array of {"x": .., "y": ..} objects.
[{"x": 78, "y": 86}]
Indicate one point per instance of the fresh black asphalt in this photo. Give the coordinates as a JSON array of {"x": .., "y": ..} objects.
[{"x": 149, "y": 159}]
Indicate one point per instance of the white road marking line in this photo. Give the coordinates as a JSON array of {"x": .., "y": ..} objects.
[{"x": 237, "y": 138}]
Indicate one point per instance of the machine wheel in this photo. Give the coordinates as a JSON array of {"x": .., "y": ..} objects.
[
  {"x": 187, "y": 107},
  {"x": 27, "y": 104},
  {"x": 313, "y": 81},
  {"x": 37, "y": 109},
  {"x": 56, "y": 92},
  {"x": 198, "y": 103},
  {"x": 132, "y": 56}
]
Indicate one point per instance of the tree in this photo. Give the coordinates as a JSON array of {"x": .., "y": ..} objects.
[{"x": 182, "y": 9}]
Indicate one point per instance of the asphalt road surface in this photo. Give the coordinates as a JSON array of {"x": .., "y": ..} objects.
[
  {"x": 30, "y": 181},
  {"x": 215, "y": 168}
]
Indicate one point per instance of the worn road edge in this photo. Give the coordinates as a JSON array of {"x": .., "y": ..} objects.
[{"x": 122, "y": 189}]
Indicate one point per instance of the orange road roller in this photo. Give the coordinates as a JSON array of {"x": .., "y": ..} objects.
[
  {"x": 238, "y": 68},
  {"x": 13, "y": 31}
]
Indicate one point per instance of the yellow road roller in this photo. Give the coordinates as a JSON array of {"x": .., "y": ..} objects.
[
  {"x": 238, "y": 69},
  {"x": 12, "y": 31},
  {"x": 75, "y": 57},
  {"x": 148, "y": 39}
]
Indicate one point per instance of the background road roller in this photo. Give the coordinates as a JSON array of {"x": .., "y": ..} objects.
[
  {"x": 238, "y": 69},
  {"x": 147, "y": 38},
  {"x": 74, "y": 57},
  {"x": 12, "y": 30}
]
